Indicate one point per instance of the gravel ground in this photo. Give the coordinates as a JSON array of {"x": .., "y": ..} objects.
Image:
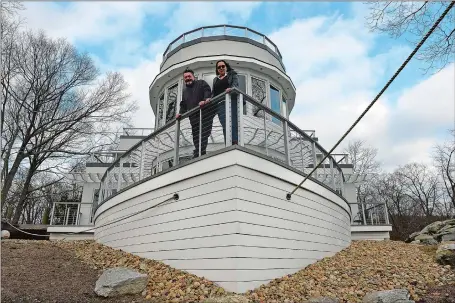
[
  {"x": 39, "y": 272},
  {"x": 363, "y": 267}
]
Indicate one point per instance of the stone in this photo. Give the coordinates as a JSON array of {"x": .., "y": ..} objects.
[
  {"x": 445, "y": 254},
  {"x": 433, "y": 227},
  {"x": 120, "y": 281},
  {"x": 415, "y": 242},
  {"x": 227, "y": 299},
  {"x": 388, "y": 296},
  {"x": 422, "y": 237},
  {"x": 322, "y": 300},
  {"x": 5, "y": 234},
  {"x": 448, "y": 237},
  {"x": 429, "y": 241},
  {"x": 412, "y": 236}
]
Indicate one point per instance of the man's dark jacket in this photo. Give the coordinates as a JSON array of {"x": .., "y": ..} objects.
[{"x": 192, "y": 95}]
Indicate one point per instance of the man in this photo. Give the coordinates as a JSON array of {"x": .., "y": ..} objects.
[{"x": 197, "y": 93}]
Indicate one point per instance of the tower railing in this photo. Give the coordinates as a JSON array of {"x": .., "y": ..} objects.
[
  {"x": 209, "y": 128},
  {"x": 222, "y": 30}
]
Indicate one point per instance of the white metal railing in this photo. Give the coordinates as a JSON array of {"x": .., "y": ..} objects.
[
  {"x": 130, "y": 131},
  {"x": 222, "y": 30},
  {"x": 258, "y": 128},
  {"x": 65, "y": 213},
  {"x": 371, "y": 214},
  {"x": 103, "y": 157}
]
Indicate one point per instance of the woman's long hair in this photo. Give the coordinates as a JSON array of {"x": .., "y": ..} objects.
[{"x": 228, "y": 67}]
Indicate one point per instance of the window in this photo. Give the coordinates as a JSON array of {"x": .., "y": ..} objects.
[
  {"x": 242, "y": 83},
  {"x": 171, "y": 102},
  {"x": 275, "y": 103},
  {"x": 259, "y": 93},
  {"x": 160, "y": 111},
  {"x": 209, "y": 79}
]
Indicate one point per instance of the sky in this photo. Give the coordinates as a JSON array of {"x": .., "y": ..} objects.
[{"x": 337, "y": 65}]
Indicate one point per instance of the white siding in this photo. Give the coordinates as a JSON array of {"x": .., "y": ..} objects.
[{"x": 232, "y": 223}]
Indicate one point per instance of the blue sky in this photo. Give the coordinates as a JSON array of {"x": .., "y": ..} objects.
[{"x": 337, "y": 65}]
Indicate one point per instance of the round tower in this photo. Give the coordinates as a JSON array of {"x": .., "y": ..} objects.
[{"x": 255, "y": 57}]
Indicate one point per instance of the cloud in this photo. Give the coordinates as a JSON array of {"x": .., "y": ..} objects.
[
  {"x": 332, "y": 59},
  {"x": 91, "y": 22},
  {"x": 332, "y": 62}
]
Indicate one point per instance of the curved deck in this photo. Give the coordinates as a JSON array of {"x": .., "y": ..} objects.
[{"x": 232, "y": 222}]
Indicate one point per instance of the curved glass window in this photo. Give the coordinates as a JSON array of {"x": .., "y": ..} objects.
[{"x": 275, "y": 103}]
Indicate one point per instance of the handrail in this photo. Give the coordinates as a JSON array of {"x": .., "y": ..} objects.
[
  {"x": 216, "y": 99},
  {"x": 276, "y": 50},
  {"x": 288, "y": 125}
]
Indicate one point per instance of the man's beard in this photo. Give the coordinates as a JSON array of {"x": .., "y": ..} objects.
[{"x": 189, "y": 83}]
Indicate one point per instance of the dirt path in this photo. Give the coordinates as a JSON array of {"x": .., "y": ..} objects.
[{"x": 36, "y": 271}]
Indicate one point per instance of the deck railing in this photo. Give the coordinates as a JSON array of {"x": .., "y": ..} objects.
[
  {"x": 371, "y": 214},
  {"x": 258, "y": 128},
  {"x": 65, "y": 213},
  {"x": 222, "y": 30}
]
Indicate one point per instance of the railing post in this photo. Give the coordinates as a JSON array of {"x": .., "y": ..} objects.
[
  {"x": 141, "y": 163},
  {"x": 225, "y": 30},
  {"x": 67, "y": 214},
  {"x": 246, "y": 32},
  {"x": 78, "y": 213},
  {"x": 119, "y": 181},
  {"x": 200, "y": 130},
  {"x": 183, "y": 38},
  {"x": 341, "y": 182},
  {"x": 265, "y": 135},
  {"x": 363, "y": 213},
  {"x": 177, "y": 142},
  {"x": 313, "y": 152},
  {"x": 301, "y": 153},
  {"x": 202, "y": 32},
  {"x": 52, "y": 214},
  {"x": 286, "y": 143},
  {"x": 386, "y": 214},
  {"x": 228, "y": 120},
  {"x": 332, "y": 173},
  {"x": 240, "y": 117}
]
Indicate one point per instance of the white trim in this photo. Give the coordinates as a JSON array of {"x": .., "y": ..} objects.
[
  {"x": 69, "y": 229},
  {"x": 216, "y": 58},
  {"x": 370, "y": 228}
]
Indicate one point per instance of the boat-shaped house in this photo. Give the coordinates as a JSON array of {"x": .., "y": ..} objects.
[{"x": 223, "y": 215}]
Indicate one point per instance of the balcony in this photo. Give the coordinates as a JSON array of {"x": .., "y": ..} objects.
[
  {"x": 261, "y": 131},
  {"x": 221, "y": 30}
]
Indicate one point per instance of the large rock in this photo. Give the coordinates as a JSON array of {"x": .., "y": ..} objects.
[
  {"x": 445, "y": 254},
  {"x": 436, "y": 230},
  {"x": 120, "y": 281},
  {"x": 388, "y": 296},
  {"x": 448, "y": 237}
]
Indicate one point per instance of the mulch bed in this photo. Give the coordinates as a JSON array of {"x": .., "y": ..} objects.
[{"x": 37, "y": 271}]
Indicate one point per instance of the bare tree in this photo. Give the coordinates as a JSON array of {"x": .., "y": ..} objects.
[
  {"x": 444, "y": 158},
  {"x": 413, "y": 19},
  {"x": 421, "y": 185},
  {"x": 55, "y": 106}
]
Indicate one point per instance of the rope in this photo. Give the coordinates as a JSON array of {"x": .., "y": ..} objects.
[
  {"x": 174, "y": 197},
  {"x": 288, "y": 195}
]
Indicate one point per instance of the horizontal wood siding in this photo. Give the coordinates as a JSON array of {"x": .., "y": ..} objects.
[{"x": 232, "y": 225}]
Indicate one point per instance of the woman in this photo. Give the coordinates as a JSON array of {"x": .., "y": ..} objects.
[{"x": 226, "y": 79}]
